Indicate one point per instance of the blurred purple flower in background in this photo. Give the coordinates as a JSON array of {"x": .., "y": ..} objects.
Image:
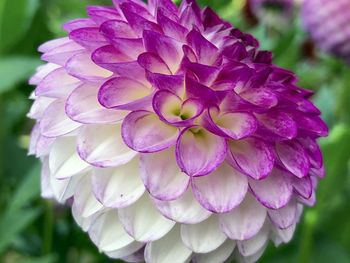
[
  {"x": 173, "y": 135},
  {"x": 328, "y": 23}
]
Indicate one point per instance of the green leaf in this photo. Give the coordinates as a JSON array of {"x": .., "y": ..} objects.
[
  {"x": 15, "y": 20},
  {"x": 12, "y": 224},
  {"x": 47, "y": 259},
  {"x": 15, "y": 69},
  {"x": 27, "y": 190}
]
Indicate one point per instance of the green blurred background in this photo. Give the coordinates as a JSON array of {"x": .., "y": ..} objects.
[{"x": 39, "y": 231}]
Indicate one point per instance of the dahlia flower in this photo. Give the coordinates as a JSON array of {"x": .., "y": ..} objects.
[
  {"x": 328, "y": 23},
  {"x": 172, "y": 136},
  {"x": 274, "y": 12}
]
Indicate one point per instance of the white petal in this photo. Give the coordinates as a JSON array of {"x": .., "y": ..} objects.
[
  {"x": 83, "y": 222},
  {"x": 125, "y": 251},
  {"x": 162, "y": 176},
  {"x": 285, "y": 216},
  {"x": 108, "y": 233},
  {"x": 245, "y": 221},
  {"x": 203, "y": 237},
  {"x": 120, "y": 186},
  {"x": 283, "y": 235},
  {"x": 64, "y": 160},
  {"x": 103, "y": 146},
  {"x": 251, "y": 246},
  {"x": 55, "y": 122},
  {"x": 46, "y": 189},
  {"x": 84, "y": 199},
  {"x": 185, "y": 209},
  {"x": 219, "y": 255},
  {"x": 167, "y": 249},
  {"x": 143, "y": 222}
]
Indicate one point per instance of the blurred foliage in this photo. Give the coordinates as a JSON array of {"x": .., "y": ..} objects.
[{"x": 39, "y": 231}]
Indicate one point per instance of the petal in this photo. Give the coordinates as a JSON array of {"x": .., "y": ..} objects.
[
  {"x": 142, "y": 131},
  {"x": 123, "y": 93},
  {"x": 61, "y": 54},
  {"x": 279, "y": 123},
  {"x": 260, "y": 97},
  {"x": 283, "y": 235},
  {"x": 63, "y": 189},
  {"x": 38, "y": 107},
  {"x": 132, "y": 47},
  {"x": 103, "y": 146},
  {"x": 170, "y": 27},
  {"x": 88, "y": 37},
  {"x": 55, "y": 122},
  {"x": 78, "y": 23},
  {"x": 245, "y": 221},
  {"x": 42, "y": 72},
  {"x": 162, "y": 176},
  {"x": 118, "y": 187},
  {"x": 84, "y": 199},
  {"x": 82, "y": 106},
  {"x": 184, "y": 209},
  {"x": 303, "y": 186},
  {"x": 233, "y": 125},
  {"x": 173, "y": 83},
  {"x": 221, "y": 254},
  {"x": 172, "y": 109},
  {"x": 101, "y": 14},
  {"x": 203, "y": 237},
  {"x": 206, "y": 52},
  {"x": 252, "y": 156},
  {"x": 294, "y": 158},
  {"x": 167, "y": 48},
  {"x": 221, "y": 190},
  {"x": 285, "y": 216},
  {"x": 153, "y": 63},
  {"x": 57, "y": 84},
  {"x": 251, "y": 246},
  {"x": 125, "y": 251},
  {"x": 107, "y": 233},
  {"x": 64, "y": 159},
  {"x": 274, "y": 191},
  {"x": 83, "y": 222},
  {"x": 199, "y": 152},
  {"x": 82, "y": 67},
  {"x": 313, "y": 151},
  {"x": 168, "y": 249},
  {"x": 52, "y": 44},
  {"x": 117, "y": 29},
  {"x": 143, "y": 222}
]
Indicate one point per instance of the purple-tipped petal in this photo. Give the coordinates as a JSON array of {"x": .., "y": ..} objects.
[
  {"x": 170, "y": 27},
  {"x": 88, "y": 37},
  {"x": 199, "y": 152},
  {"x": 61, "y": 54},
  {"x": 78, "y": 23},
  {"x": 245, "y": 221},
  {"x": 294, "y": 158},
  {"x": 144, "y": 132},
  {"x": 162, "y": 176},
  {"x": 124, "y": 93},
  {"x": 303, "y": 186},
  {"x": 117, "y": 29},
  {"x": 285, "y": 216},
  {"x": 253, "y": 156},
  {"x": 260, "y": 97},
  {"x": 153, "y": 63},
  {"x": 132, "y": 47},
  {"x": 57, "y": 84},
  {"x": 233, "y": 125},
  {"x": 275, "y": 191},
  {"x": 167, "y": 48},
  {"x": 221, "y": 190},
  {"x": 82, "y": 67},
  {"x": 206, "y": 52},
  {"x": 82, "y": 106}
]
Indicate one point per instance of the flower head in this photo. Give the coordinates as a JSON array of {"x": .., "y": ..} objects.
[
  {"x": 173, "y": 135},
  {"x": 328, "y": 23}
]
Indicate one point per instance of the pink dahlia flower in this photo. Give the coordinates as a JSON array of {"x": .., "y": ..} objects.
[
  {"x": 173, "y": 137},
  {"x": 328, "y": 22}
]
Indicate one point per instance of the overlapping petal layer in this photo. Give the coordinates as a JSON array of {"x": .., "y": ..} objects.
[{"x": 173, "y": 136}]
